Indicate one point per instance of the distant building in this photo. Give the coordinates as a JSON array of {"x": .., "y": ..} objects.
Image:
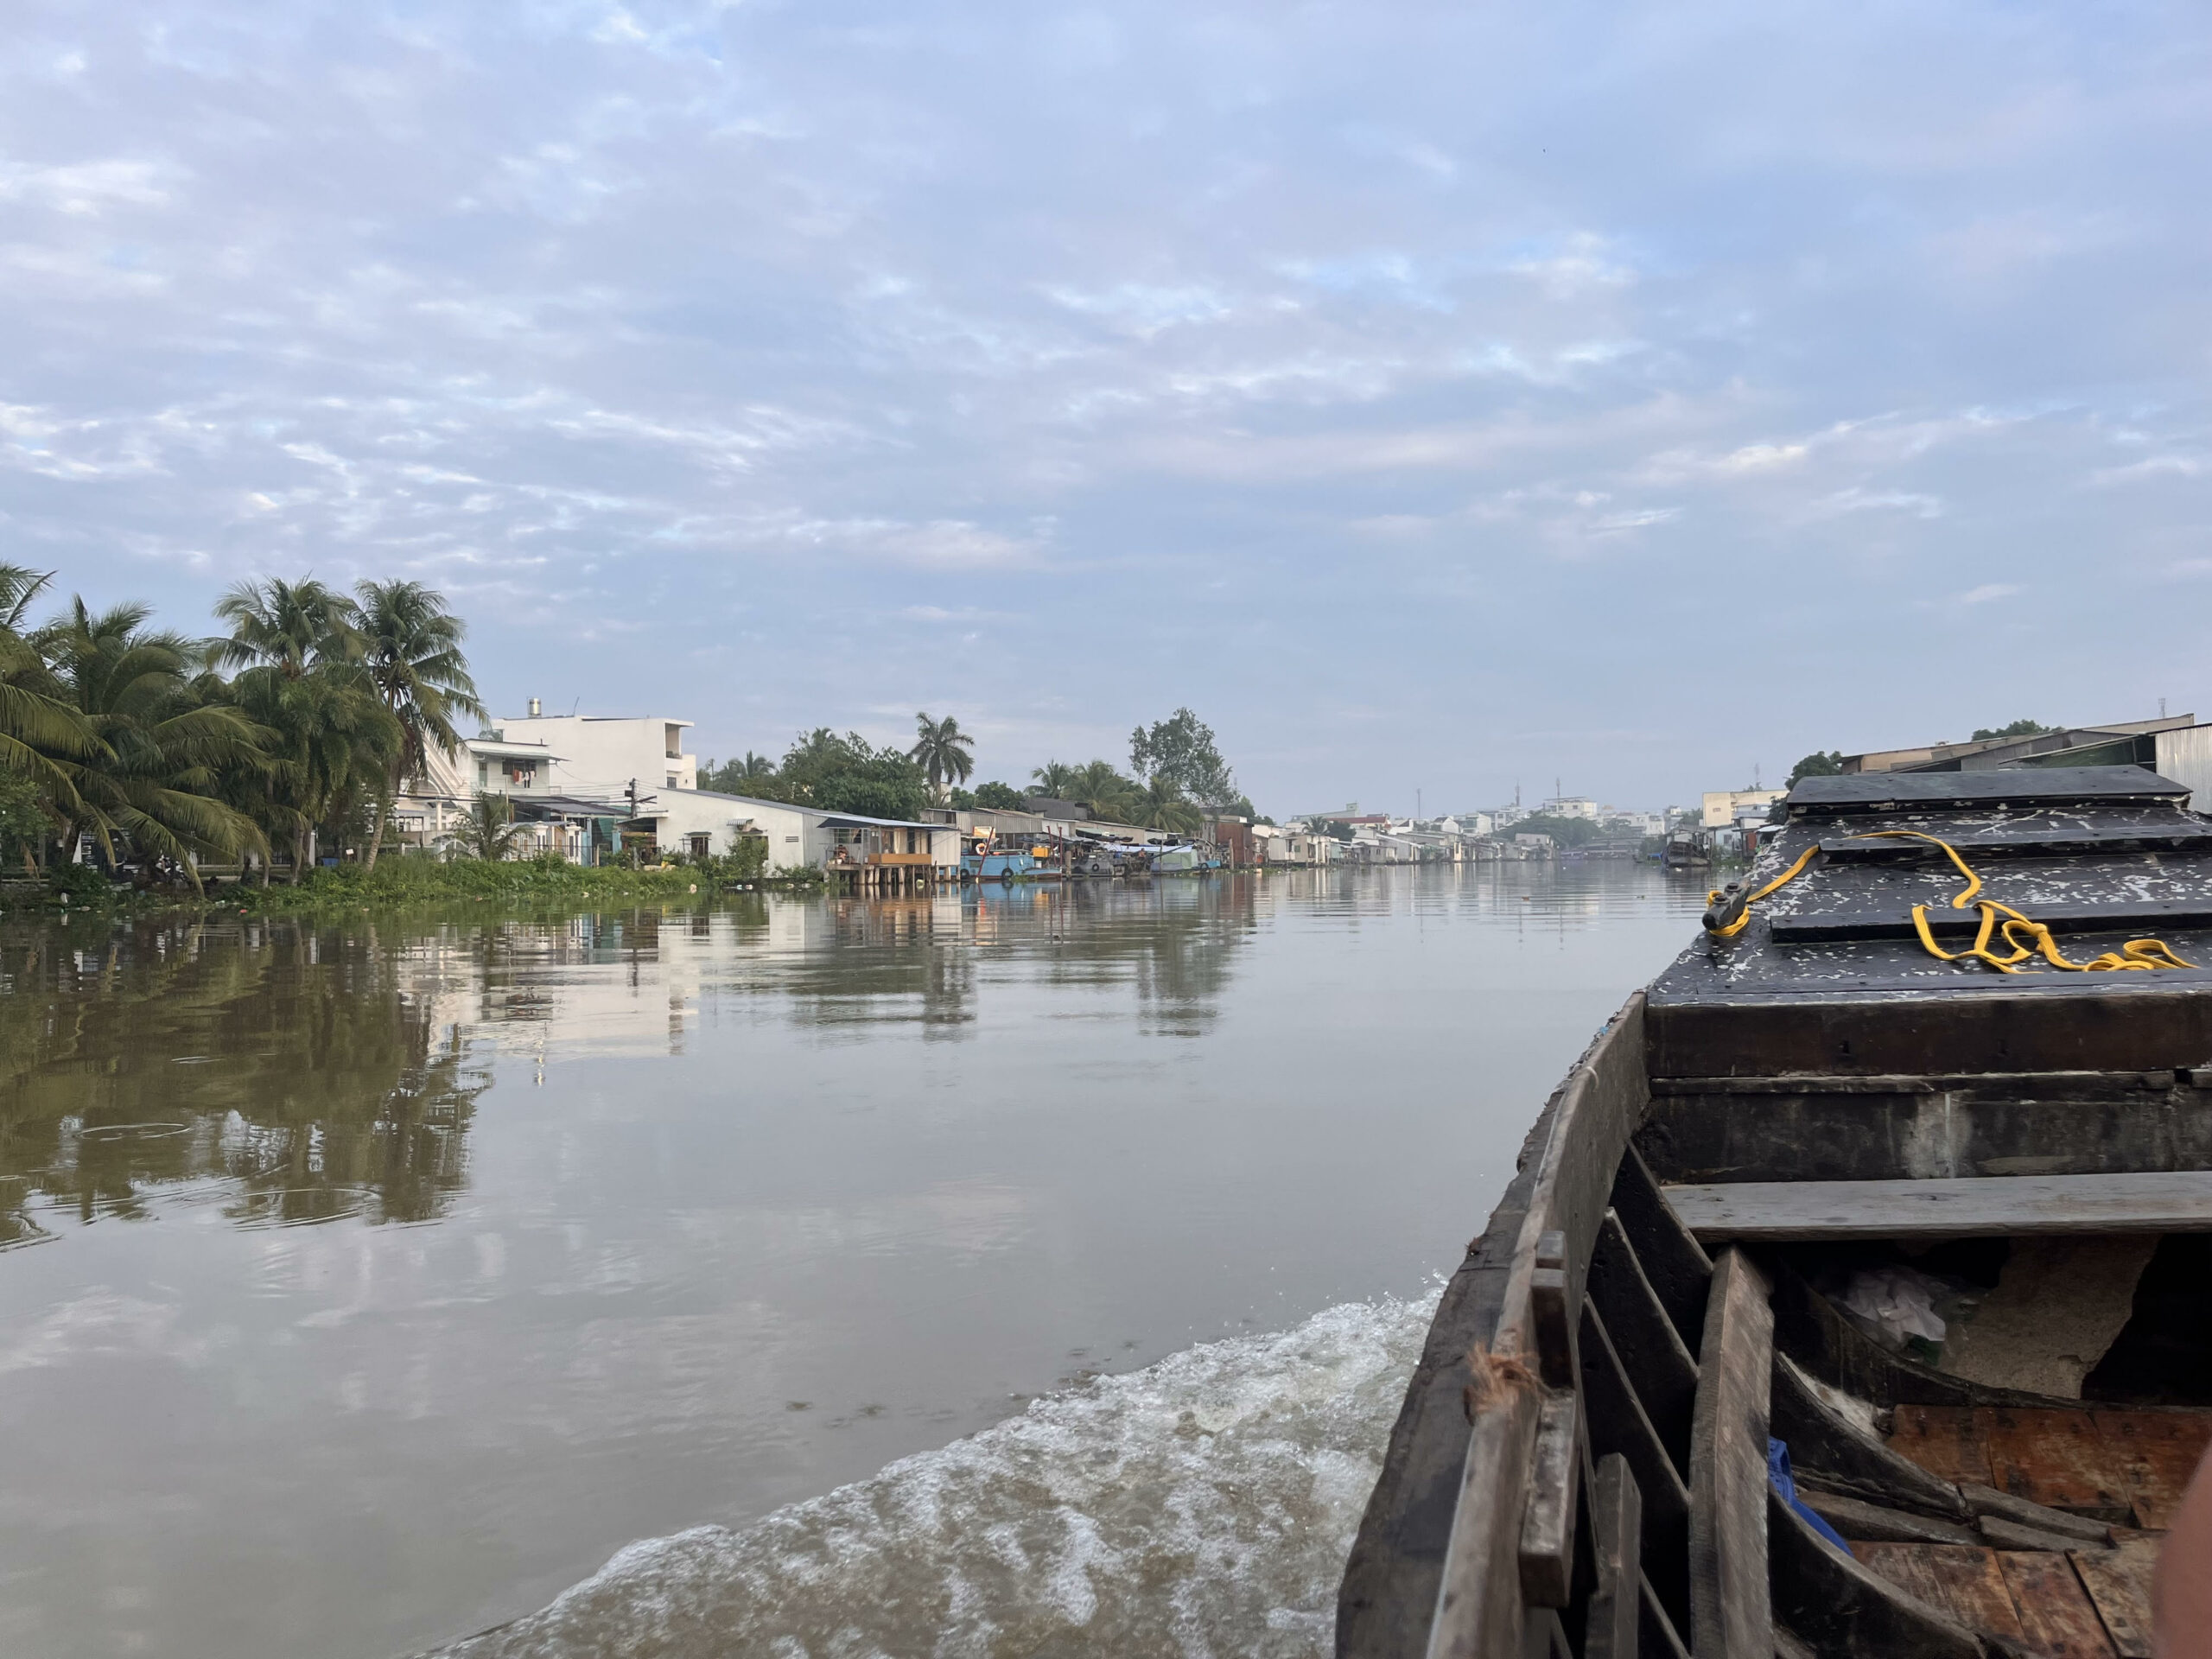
[
  {"x": 1569, "y": 806},
  {"x": 1725, "y": 808}
]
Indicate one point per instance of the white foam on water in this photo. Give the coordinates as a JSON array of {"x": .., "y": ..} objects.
[{"x": 1202, "y": 1506}]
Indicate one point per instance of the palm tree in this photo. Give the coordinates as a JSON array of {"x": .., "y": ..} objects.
[
  {"x": 1101, "y": 788},
  {"x": 38, "y": 727},
  {"x": 163, "y": 743},
  {"x": 1058, "y": 780},
  {"x": 1160, "y": 806},
  {"x": 942, "y": 751},
  {"x": 306, "y": 680},
  {"x": 488, "y": 832},
  {"x": 290, "y": 627},
  {"x": 411, "y": 645}
]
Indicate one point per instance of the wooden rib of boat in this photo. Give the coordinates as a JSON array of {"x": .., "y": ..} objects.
[{"x": 1670, "y": 1288}]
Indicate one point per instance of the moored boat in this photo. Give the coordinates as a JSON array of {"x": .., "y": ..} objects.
[{"x": 1848, "y": 1298}]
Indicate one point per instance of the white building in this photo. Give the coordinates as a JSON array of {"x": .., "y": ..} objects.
[
  {"x": 1569, "y": 806},
  {"x": 599, "y": 757},
  {"x": 1725, "y": 807},
  {"x": 701, "y": 821}
]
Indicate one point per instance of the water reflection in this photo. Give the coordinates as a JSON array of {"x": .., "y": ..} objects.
[
  {"x": 289, "y": 1068},
  {"x": 630, "y": 1221}
]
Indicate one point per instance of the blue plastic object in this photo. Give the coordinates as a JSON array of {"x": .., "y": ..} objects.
[{"x": 1778, "y": 1470}]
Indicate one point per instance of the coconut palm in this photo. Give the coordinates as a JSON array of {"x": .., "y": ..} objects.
[
  {"x": 1160, "y": 806},
  {"x": 164, "y": 739},
  {"x": 942, "y": 751},
  {"x": 306, "y": 680},
  {"x": 38, "y": 727},
  {"x": 488, "y": 832},
  {"x": 290, "y": 627},
  {"x": 1103, "y": 791},
  {"x": 411, "y": 645},
  {"x": 1056, "y": 778}
]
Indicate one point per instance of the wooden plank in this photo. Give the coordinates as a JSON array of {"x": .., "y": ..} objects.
[
  {"x": 1729, "y": 1614},
  {"x": 1856, "y": 1518},
  {"x": 1617, "y": 1424},
  {"x": 1986, "y": 1502},
  {"x": 2135, "y": 918},
  {"x": 1842, "y": 1606},
  {"x": 1945, "y": 1440},
  {"x": 1478, "y": 1608},
  {"x": 2069, "y": 1022},
  {"x": 1677, "y": 1266},
  {"x": 1939, "y": 1135},
  {"x": 1831, "y": 1450},
  {"x": 1866, "y": 791},
  {"x": 2058, "y": 1618},
  {"x": 1971, "y": 1588},
  {"x": 2055, "y": 1457},
  {"x": 1617, "y": 1534},
  {"x": 1904, "y": 1564},
  {"x": 2158, "y": 1452},
  {"x": 2087, "y": 842},
  {"x": 1974, "y": 1207},
  {"x": 1651, "y": 1349},
  {"x": 1548, "y": 1518},
  {"x": 2119, "y": 1582}
]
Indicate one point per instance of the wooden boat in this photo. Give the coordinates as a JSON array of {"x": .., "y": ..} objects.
[{"x": 1829, "y": 1087}]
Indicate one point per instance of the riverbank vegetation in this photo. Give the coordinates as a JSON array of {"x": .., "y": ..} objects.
[{"x": 292, "y": 730}]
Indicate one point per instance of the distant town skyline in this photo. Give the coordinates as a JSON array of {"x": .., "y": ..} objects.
[{"x": 1426, "y": 396}]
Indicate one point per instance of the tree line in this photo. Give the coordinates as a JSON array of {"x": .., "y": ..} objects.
[
  {"x": 1176, "y": 776},
  {"x": 293, "y": 730}
]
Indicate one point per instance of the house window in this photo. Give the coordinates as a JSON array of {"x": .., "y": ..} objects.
[
  {"x": 672, "y": 780},
  {"x": 700, "y": 845}
]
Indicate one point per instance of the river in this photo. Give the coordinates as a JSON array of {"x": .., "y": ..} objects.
[{"x": 1013, "y": 1270}]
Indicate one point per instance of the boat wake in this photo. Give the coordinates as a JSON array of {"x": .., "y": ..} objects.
[{"x": 1203, "y": 1505}]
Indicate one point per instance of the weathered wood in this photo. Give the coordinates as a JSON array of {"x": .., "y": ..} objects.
[
  {"x": 2010, "y": 1206},
  {"x": 1650, "y": 1348},
  {"x": 1929, "y": 1135},
  {"x": 1962, "y": 1582},
  {"x": 2070, "y": 1022},
  {"x": 2187, "y": 835},
  {"x": 1856, "y": 1518},
  {"x": 1617, "y": 1534},
  {"x": 2134, "y": 917},
  {"x": 2118, "y": 1583},
  {"x": 1945, "y": 1440},
  {"x": 2000, "y": 1533},
  {"x": 1548, "y": 1313},
  {"x": 2104, "y": 787},
  {"x": 1830, "y": 1450},
  {"x": 1597, "y": 1109},
  {"x": 2055, "y": 1456},
  {"x": 1675, "y": 1265},
  {"x": 1618, "y": 1423},
  {"x": 1837, "y": 1606},
  {"x": 1729, "y": 1613},
  {"x": 2056, "y": 1616},
  {"x": 2159, "y": 1452},
  {"x": 1479, "y": 1611},
  {"x": 1547, "y": 1519},
  {"x": 1987, "y": 1501}
]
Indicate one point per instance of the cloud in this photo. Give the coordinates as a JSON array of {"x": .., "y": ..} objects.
[
  {"x": 1988, "y": 591},
  {"x": 1859, "y": 499}
]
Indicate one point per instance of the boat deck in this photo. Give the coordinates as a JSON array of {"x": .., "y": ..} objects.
[{"x": 2090, "y": 1596}]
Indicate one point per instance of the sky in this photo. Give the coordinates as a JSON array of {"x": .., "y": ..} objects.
[{"x": 1437, "y": 398}]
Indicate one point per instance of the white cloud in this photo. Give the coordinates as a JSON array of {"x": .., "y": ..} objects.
[{"x": 1988, "y": 591}]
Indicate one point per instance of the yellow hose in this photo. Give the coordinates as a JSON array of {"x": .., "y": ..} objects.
[{"x": 2024, "y": 938}]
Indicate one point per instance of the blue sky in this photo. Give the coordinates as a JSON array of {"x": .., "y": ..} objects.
[{"x": 1431, "y": 397}]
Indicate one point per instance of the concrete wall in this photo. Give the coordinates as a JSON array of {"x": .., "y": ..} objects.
[{"x": 599, "y": 757}]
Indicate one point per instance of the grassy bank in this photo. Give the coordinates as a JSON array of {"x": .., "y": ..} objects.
[{"x": 403, "y": 884}]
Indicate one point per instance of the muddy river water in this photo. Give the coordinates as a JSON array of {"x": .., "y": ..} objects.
[{"x": 1014, "y": 1270}]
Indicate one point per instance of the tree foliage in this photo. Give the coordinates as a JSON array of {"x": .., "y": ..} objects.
[
  {"x": 1002, "y": 798},
  {"x": 1179, "y": 753},
  {"x": 1817, "y": 764},
  {"x": 2018, "y": 728},
  {"x": 942, "y": 751}
]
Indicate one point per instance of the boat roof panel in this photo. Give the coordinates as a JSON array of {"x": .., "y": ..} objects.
[{"x": 1868, "y": 792}]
